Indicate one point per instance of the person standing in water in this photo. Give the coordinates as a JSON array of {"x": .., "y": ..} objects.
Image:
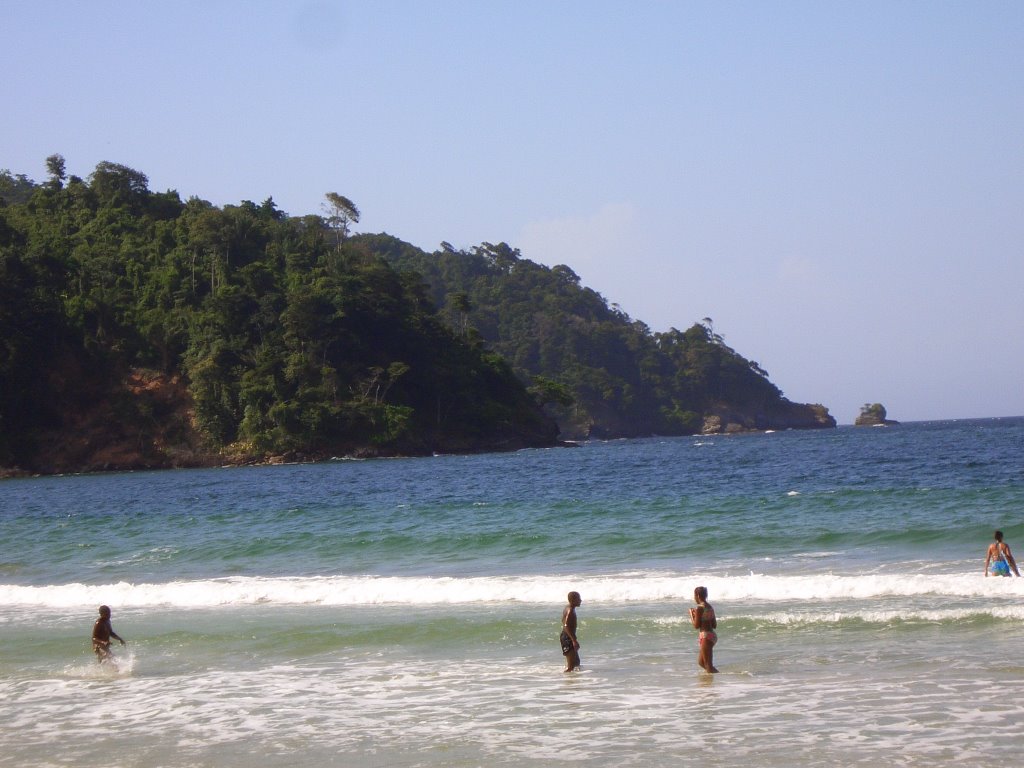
[
  {"x": 570, "y": 645},
  {"x": 703, "y": 619},
  {"x": 102, "y": 631},
  {"x": 1000, "y": 558}
]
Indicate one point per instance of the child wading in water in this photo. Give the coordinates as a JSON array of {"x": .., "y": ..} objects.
[
  {"x": 703, "y": 619},
  {"x": 102, "y": 631},
  {"x": 570, "y": 645}
]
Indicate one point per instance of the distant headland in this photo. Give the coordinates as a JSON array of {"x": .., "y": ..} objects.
[{"x": 144, "y": 331}]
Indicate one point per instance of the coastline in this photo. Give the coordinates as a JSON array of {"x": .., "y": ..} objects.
[{"x": 228, "y": 460}]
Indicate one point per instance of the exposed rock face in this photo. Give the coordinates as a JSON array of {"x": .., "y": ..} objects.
[
  {"x": 146, "y": 421},
  {"x": 143, "y": 423},
  {"x": 873, "y": 415},
  {"x": 786, "y": 415},
  {"x": 723, "y": 419}
]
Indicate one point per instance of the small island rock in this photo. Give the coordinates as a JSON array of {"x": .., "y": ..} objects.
[{"x": 873, "y": 415}]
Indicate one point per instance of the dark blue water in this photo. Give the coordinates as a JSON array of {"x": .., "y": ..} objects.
[{"x": 917, "y": 490}]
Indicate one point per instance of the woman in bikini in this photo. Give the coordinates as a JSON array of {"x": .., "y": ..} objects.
[
  {"x": 703, "y": 619},
  {"x": 1000, "y": 558}
]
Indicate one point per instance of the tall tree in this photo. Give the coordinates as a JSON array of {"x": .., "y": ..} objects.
[
  {"x": 55, "y": 167},
  {"x": 341, "y": 213}
]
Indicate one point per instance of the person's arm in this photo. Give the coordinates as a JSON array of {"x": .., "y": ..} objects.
[
  {"x": 116, "y": 636},
  {"x": 988, "y": 559},
  {"x": 697, "y": 616}
]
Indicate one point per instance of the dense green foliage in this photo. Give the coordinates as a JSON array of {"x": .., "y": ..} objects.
[
  {"x": 291, "y": 336},
  {"x": 601, "y": 372},
  {"x": 874, "y": 411},
  {"x": 294, "y": 337}
]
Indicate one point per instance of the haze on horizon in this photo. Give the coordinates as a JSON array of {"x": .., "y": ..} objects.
[{"x": 838, "y": 186}]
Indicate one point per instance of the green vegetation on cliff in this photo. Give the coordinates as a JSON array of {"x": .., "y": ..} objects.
[
  {"x": 187, "y": 333},
  {"x": 292, "y": 338},
  {"x": 601, "y": 373}
]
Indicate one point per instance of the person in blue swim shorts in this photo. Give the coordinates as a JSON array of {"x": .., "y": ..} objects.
[{"x": 998, "y": 560}]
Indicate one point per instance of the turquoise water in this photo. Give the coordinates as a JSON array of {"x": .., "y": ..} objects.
[{"x": 405, "y": 612}]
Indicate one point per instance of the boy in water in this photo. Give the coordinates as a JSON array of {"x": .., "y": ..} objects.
[
  {"x": 570, "y": 645},
  {"x": 703, "y": 618},
  {"x": 1000, "y": 558},
  {"x": 102, "y": 631}
]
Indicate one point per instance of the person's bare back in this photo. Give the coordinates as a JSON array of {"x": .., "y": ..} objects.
[{"x": 998, "y": 558}]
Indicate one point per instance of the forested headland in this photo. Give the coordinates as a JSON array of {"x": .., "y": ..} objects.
[
  {"x": 599, "y": 372},
  {"x": 138, "y": 329}
]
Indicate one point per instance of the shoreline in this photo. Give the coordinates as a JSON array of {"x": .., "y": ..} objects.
[{"x": 227, "y": 462}]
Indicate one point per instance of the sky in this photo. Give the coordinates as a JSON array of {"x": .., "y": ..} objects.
[{"x": 839, "y": 186}]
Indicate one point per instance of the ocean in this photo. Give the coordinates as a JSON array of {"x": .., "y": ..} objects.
[{"x": 405, "y": 612}]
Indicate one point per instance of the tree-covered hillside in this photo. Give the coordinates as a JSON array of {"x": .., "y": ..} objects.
[
  {"x": 180, "y": 332},
  {"x": 601, "y": 373},
  {"x": 138, "y": 329}
]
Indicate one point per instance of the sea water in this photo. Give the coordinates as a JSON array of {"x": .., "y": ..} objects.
[{"x": 406, "y": 612}]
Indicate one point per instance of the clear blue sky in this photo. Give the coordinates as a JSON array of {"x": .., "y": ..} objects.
[{"x": 838, "y": 185}]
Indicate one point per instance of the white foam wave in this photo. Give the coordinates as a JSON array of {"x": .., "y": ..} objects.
[
  {"x": 612, "y": 588},
  {"x": 885, "y": 617},
  {"x": 829, "y": 587}
]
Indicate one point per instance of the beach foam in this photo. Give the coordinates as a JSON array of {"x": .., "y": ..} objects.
[{"x": 611, "y": 588}]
